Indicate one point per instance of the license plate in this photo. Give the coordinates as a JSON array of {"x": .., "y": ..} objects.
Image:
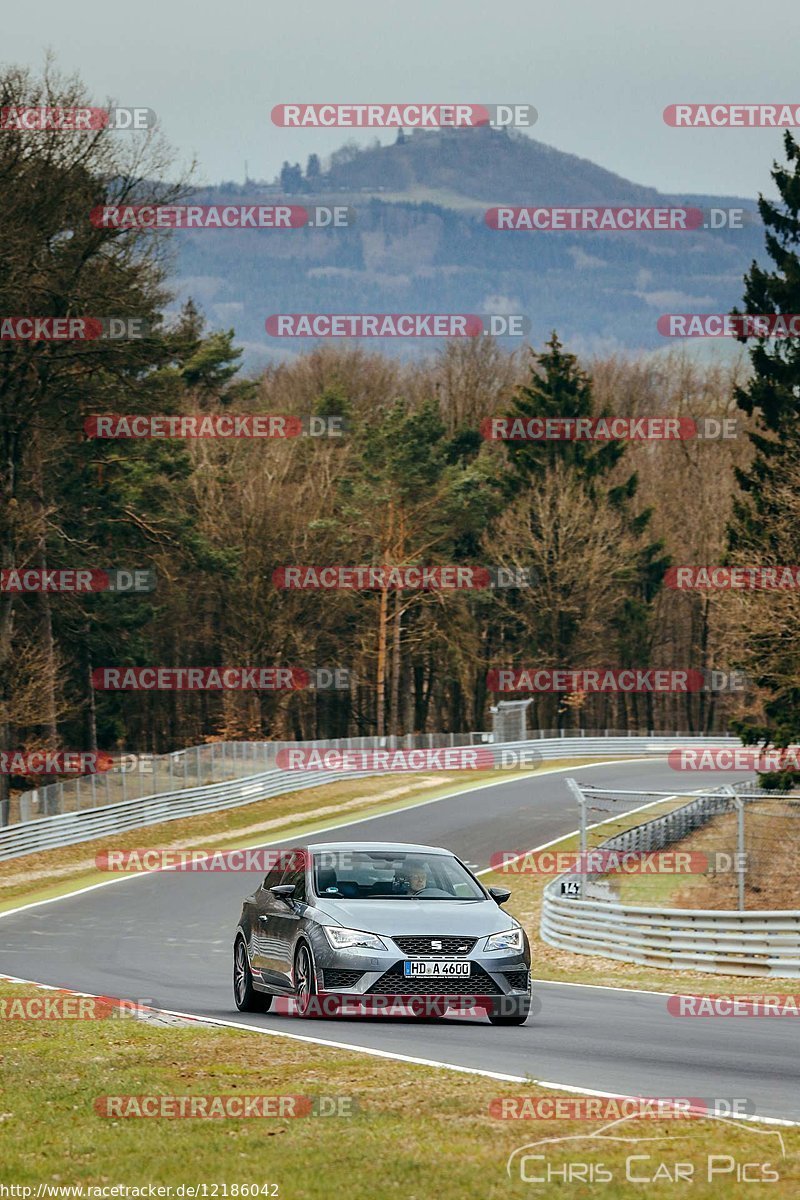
[{"x": 438, "y": 967}]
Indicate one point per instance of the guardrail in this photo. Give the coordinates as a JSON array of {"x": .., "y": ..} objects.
[
  {"x": 65, "y": 829},
  {"x": 141, "y": 775},
  {"x": 755, "y": 943}
]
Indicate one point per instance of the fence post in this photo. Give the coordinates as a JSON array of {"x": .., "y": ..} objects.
[
  {"x": 573, "y": 786},
  {"x": 740, "y": 859}
]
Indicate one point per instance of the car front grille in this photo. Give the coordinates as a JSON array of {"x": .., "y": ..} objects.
[
  {"x": 333, "y": 979},
  {"x": 422, "y": 946},
  {"x": 395, "y": 983},
  {"x": 518, "y": 980}
]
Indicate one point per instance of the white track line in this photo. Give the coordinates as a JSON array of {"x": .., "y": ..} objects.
[
  {"x": 396, "y": 1057},
  {"x": 576, "y": 832}
]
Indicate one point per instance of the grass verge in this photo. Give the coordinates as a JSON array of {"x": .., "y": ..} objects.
[{"x": 772, "y": 845}]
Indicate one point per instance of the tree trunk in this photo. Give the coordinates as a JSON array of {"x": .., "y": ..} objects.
[
  {"x": 91, "y": 708},
  {"x": 43, "y": 597},
  {"x": 380, "y": 699},
  {"x": 395, "y": 721}
]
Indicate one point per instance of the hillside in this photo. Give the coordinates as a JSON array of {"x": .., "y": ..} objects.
[{"x": 420, "y": 244}]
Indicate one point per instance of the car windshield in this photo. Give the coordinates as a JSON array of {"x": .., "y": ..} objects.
[{"x": 392, "y": 875}]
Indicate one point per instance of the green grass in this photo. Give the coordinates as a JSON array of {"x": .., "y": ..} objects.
[
  {"x": 656, "y": 891},
  {"x": 418, "y": 1132}
]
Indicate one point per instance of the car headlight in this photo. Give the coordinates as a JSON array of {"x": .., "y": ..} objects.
[
  {"x": 509, "y": 939},
  {"x": 344, "y": 939}
]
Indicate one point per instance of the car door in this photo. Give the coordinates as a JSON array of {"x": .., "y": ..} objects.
[
  {"x": 264, "y": 908},
  {"x": 283, "y": 924}
]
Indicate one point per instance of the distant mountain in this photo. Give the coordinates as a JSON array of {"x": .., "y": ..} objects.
[
  {"x": 420, "y": 244},
  {"x": 485, "y": 165}
]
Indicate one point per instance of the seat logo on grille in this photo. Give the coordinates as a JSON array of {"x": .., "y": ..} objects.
[{"x": 435, "y": 944}]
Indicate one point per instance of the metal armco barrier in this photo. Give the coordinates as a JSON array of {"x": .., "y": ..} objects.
[
  {"x": 755, "y": 943},
  {"x": 64, "y": 829}
]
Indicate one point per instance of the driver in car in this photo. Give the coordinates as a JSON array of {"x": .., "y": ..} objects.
[{"x": 413, "y": 877}]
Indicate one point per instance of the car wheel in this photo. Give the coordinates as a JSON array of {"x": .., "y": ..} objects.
[
  {"x": 305, "y": 980},
  {"x": 246, "y": 997},
  {"x": 510, "y": 1010}
]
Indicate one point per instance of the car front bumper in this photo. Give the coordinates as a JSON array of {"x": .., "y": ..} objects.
[{"x": 357, "y": 972}]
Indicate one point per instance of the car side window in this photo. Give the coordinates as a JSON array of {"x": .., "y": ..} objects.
[
  {"x": 297, "y": 876},
  {"x": 273, "y": 877}
]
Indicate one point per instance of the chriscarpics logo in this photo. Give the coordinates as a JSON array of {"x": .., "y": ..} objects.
[{"x": 615, "y": 1154}]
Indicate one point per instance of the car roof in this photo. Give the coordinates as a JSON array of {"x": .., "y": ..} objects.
[{"x": 384, "y": 847}]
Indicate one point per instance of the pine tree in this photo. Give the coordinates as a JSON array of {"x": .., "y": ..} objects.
[
  {"x": 559, "y": 388},
  {"x": 764, "y": 512}
]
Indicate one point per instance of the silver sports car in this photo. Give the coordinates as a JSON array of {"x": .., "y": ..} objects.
[{"x": 361, "y": 920}]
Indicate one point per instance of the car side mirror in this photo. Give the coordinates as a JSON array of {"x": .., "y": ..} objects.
[
  {"x": 500, "y": 894},
  {"x": 284, "y": 891}
]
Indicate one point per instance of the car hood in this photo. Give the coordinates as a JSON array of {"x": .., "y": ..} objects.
[{"x": 392, "y": 917}]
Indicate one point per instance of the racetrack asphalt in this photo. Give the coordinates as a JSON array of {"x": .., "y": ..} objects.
[{"x": 165, "y": 939}]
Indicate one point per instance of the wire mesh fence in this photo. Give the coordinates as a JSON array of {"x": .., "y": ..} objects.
[
  {"x": 743, "y": 840},
  {"x": 140, "y": 775}
]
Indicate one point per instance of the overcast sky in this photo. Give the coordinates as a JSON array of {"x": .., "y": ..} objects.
[{"x": 599, "y": 74}]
